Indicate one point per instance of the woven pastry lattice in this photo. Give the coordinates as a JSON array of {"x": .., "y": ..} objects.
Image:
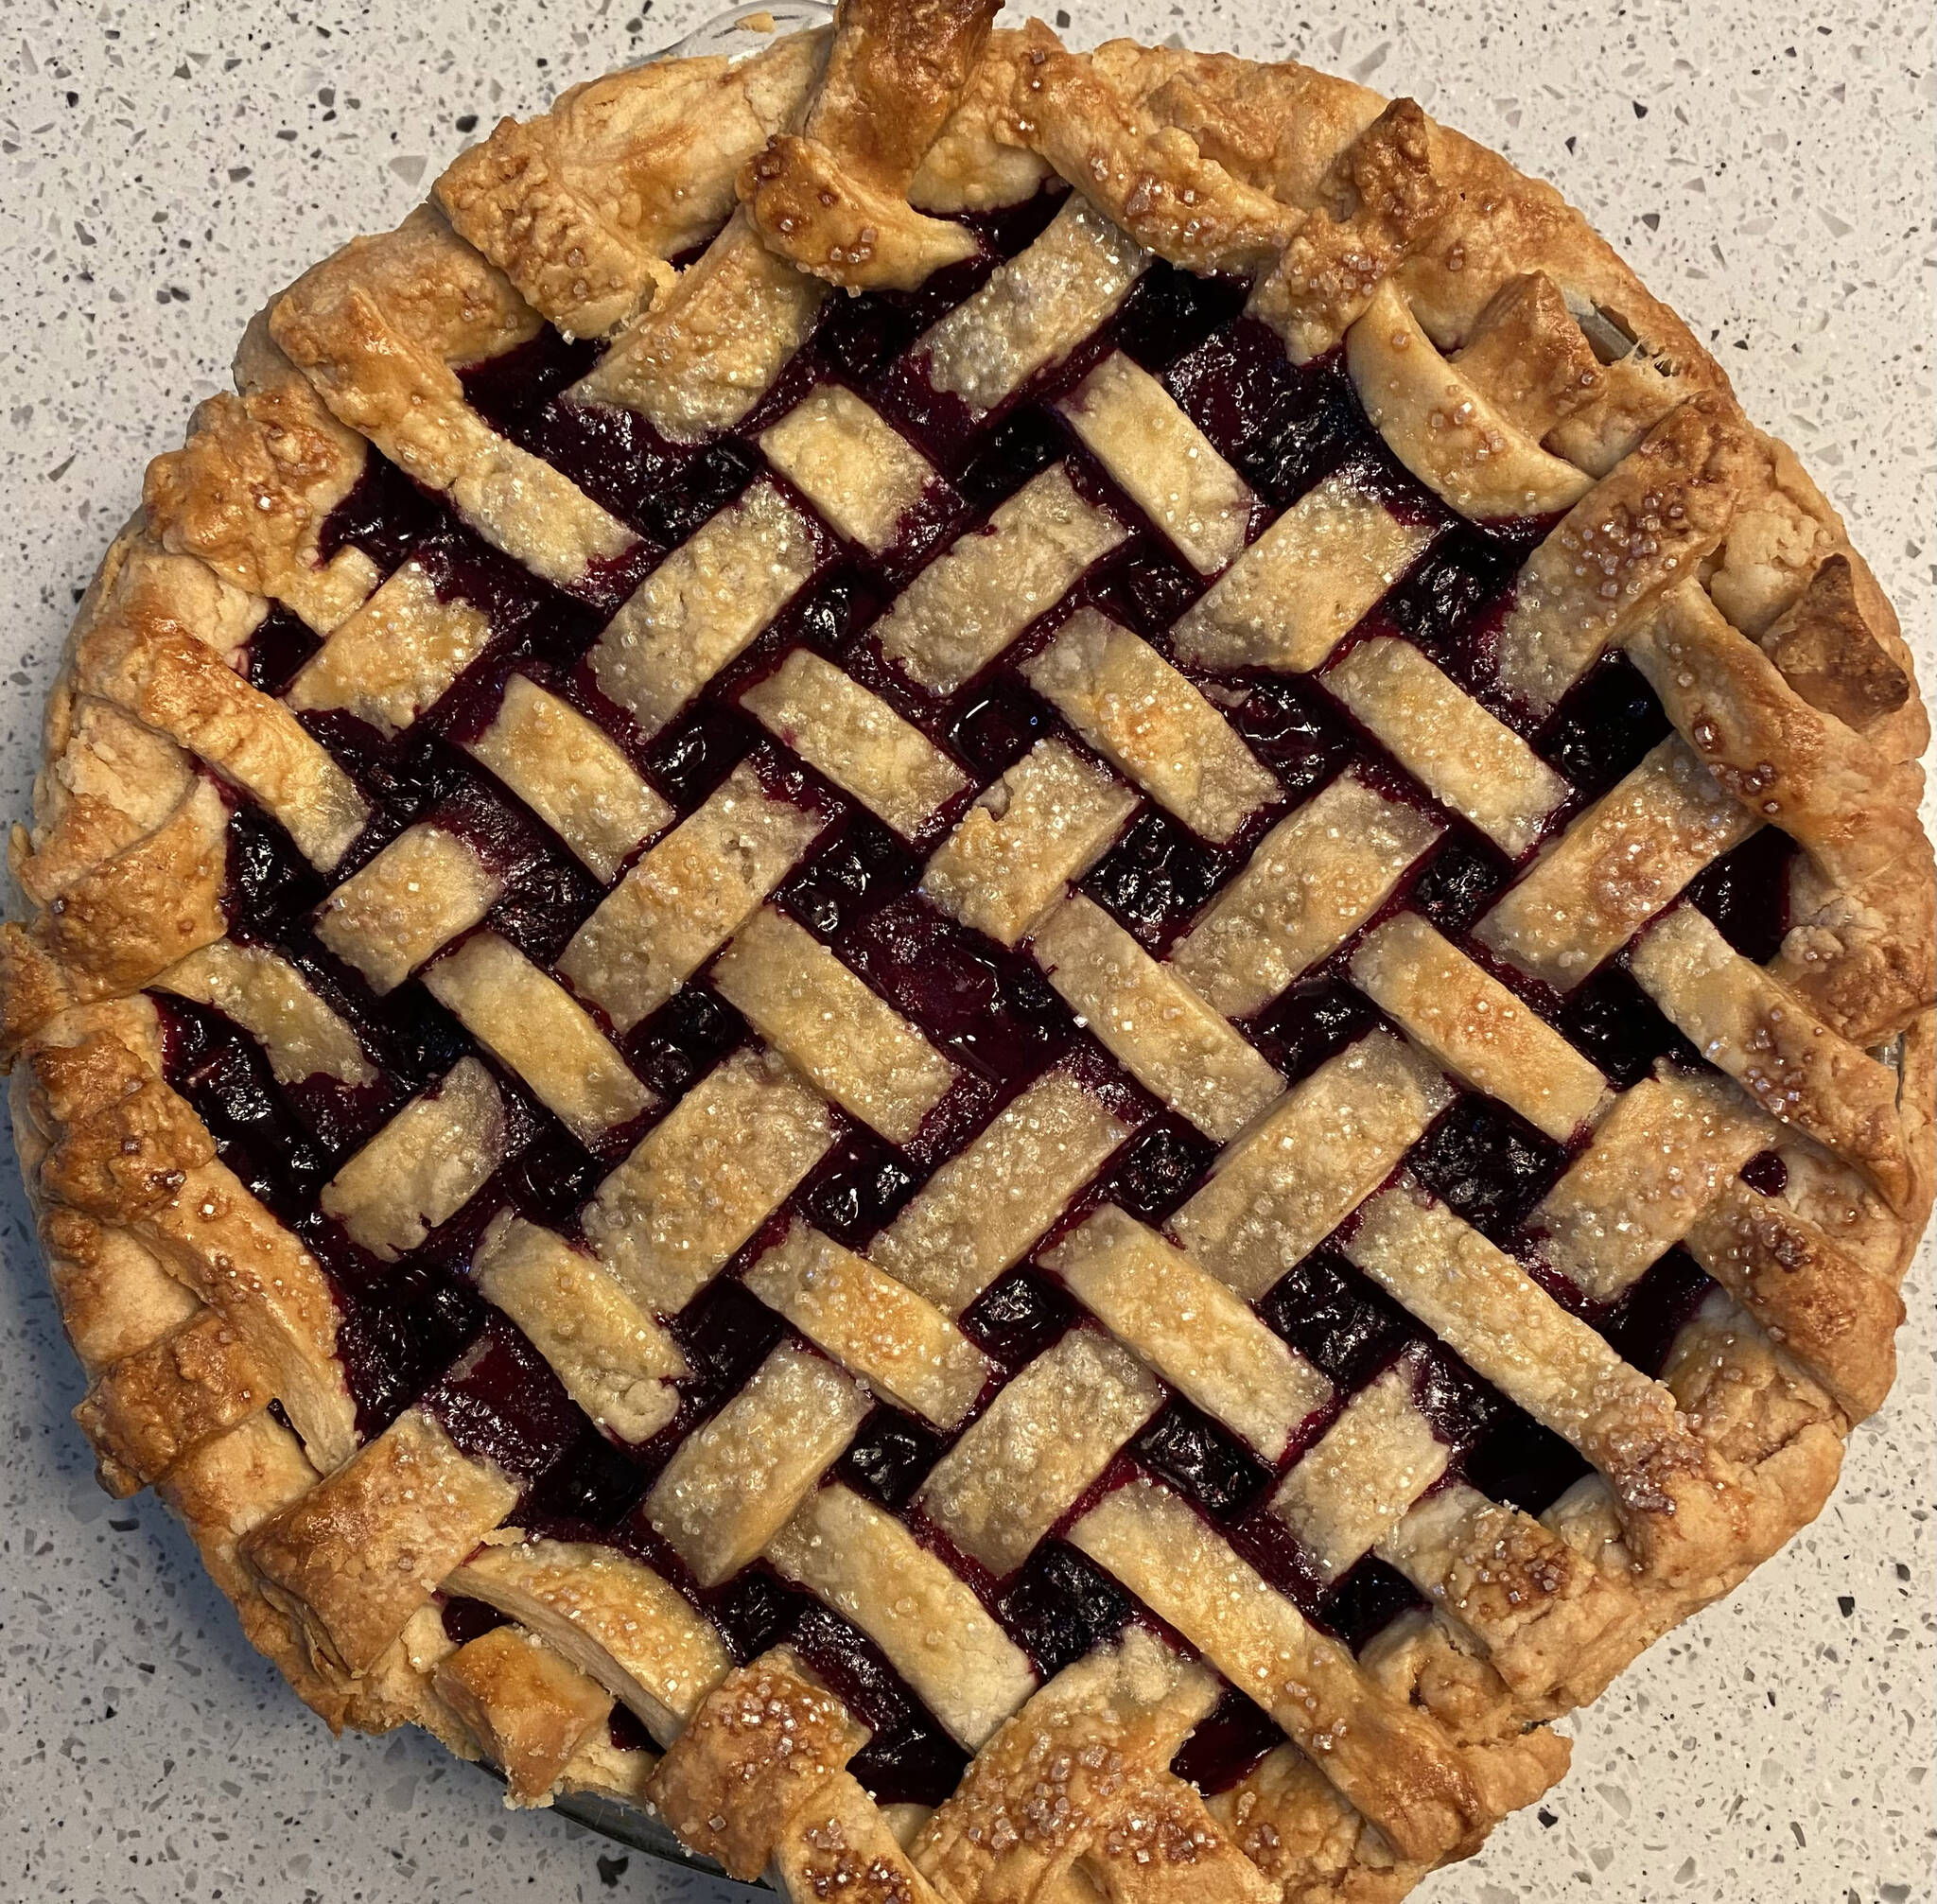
[{"x": 1024, "y": 943}]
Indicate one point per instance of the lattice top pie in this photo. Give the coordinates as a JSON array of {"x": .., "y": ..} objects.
[{"x": 1010, "y": 965}]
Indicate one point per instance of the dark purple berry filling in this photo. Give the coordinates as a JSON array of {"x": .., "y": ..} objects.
[{"x": 417, "y": 1333}]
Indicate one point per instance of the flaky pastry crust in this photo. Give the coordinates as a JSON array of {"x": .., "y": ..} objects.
[{"x": 1682, "y": 536}]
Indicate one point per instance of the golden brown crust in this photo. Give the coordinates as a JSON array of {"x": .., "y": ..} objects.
[
  {"x": 146, "y": 1411},
  {"x": 124, "y": 866},
  {"x": 1826, "y": 652},
  {"x": 1384, "y": 198},
  {"x": 115, "y": 1296},
  {"x": 1529, "y": 355},
  {"x": 527, "y": 1709},
  {"x": 353, "y": 1558},
  {"x": 1541, "y": 1614},
  {"x": 1290, "y": 1821},
  {"x": 832, "y": 197},
  {"x": 1152, "y": 179},
  {"x": 109, "y": 1140},
  {"x": 584, "y": 208},
  {"x": 841, "y": 1845},
  {"x": 1771, "y": 648},
  {"x": 171, "y": 681},
  {"x": 1660, "y": 513},
  {"x": 1275, "y": 128},
  {"x": 222, "y": 1490},
  {"x": 250, "y": 488},
  {"x": 382, "y": 330},
  {"x": 1046, "y": 1791},
  {"x": 760, "y": 1745},
  {"x": 1865, "y": 953},
  {"x": 1820, "y": 1306}
]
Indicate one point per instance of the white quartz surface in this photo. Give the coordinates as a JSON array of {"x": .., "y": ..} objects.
[{"x": 1768, "y": 167}]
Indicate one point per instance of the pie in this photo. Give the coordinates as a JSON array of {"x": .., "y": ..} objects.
[{"x": 1011, "y": 966}]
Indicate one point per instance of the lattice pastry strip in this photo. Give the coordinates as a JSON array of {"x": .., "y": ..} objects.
[
  {"x": 1365, "y": 1472},
  {"x": 1274, "y": 1196},
  {"x": 1758, "y": 1031},
  {"x": 1834, "y": 1313},
  {"x": 1315, "y": 878},
  {"x": 94, "y": 1093},
  {"x": 732, "y": 1484},
  {"x": 300, "y": 1034},
  {"x": 757, "y": 1781},
  {"x": 712, "y": 344},
  {"x": 545, "y": 200},
  {"x": 1789, "y": 740},
  {"x": 528, "y": 1706},
  {"x": 614, "y": 1359},
  {"x": 1482, "y": 1303},
  {"x": 685, "y": 896},
  {"x": 424, "y": 1166},
  {"x": 1015, "y": 852},
  {"x": 254, "y": 484},
  {"x": 973, "y": 599},
  {"x": 832, "y": 195},
  {"x": 424, "y": 889},
  {"x": 1389, "y": 197},
  {"x": 843, "y": 1844},
  {"x": 862, "y": 474},
  {"x": 384, "y": 364},
  {"x": 1049, "y": 1786},
  {"x": 1442, "y": 424},
  {"x": 1305, "y": 584},
  {"x": 983, "y": 1209},
  {"x": 1474, "y": 1026},
  {"x": 1464, "y": 757},
  {"x": 1531, "y": 354},
  {"x": 899, "y": 1344},
  {"x": 706, "y": 1177},
  {"x": 354, "y": 1558},
  {"x": 1134, "y": 707},
  {"x": 867, "y": 1565},
  {"x": 1389, "y": 1762},
  {"x": 1618, "y": 863},
  {"x": 615, "y": 1618},
  {"x": 147, "y": 1408},
  {"x": 398, "y": 655},
  {"x": 1035, "y": 310},
  {"x": 1162, "y": 461},
  {"x": 224, "y": 1488},
  {"x": 765, "y": 1741},
  {"x": 1660, "y": 1158},
  {"x": 1551, "y": 1623},
  {"x": 536, "y": 1030},
  {"x": 1168, "y": 1833},
  {"x": 856, "y": 1047},
  {"x": 572, "y": 774},
  {"x": 120, "y": 1297},
  {"x": 857, "y": 741},
  {"x": 1295, "y": 1826},
  {"x": 1639, "y": 530},
  {"x": 1162, "y": 1033},
  {"x": 1189, "y": 1328},
  {"x": 703, "y": 604},
  {"x": 138, "y": 654},
  {"x": 1041, "y": 1441}
]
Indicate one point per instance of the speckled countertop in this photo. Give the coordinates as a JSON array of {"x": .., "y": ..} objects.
[{"x": 1768, "y": 167}]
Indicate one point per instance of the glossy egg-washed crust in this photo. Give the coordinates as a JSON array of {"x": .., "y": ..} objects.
[{"x": 836, "y": 157}]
